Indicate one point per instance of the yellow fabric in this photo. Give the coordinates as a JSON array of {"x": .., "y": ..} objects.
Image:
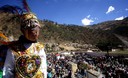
[{"x": 39, "y": 74}]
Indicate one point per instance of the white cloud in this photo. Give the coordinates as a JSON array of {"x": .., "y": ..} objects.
[
  {"x": 120, "y": 18},
  {"x": 110, "y": 9},
  {"x": 88, "y": 16},
  {"x": 126, "y": 9},
  {"x": 86, "y": 21}
]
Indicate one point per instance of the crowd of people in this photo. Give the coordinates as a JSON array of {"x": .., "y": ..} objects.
[
  {"x": 109, "y": 66},
  {"x": 58, "y": 68}
]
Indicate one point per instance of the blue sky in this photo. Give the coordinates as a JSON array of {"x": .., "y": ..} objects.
[{"x": 78, "y": 12}]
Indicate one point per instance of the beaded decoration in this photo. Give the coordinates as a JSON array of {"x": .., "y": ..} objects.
[{"x": 28, "y": 65}]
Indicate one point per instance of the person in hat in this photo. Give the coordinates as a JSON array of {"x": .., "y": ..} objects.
[{"x": 26, "y": 58}]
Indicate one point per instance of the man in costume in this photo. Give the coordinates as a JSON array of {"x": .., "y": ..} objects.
[{"x": 24, "y": 58}]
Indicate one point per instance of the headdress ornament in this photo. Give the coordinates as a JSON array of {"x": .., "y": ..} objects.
[{"x": 27, "y": 14}]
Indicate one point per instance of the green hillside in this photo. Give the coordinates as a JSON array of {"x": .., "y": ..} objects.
[{"x": 52, "y": 32}]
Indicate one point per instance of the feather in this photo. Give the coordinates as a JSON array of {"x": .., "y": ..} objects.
[
  {"x": 3, "y": 36},
  {"x": 11, "y": 9},
  {"x": 4, "y": 42},
  {"x": 25, "y": 5}
]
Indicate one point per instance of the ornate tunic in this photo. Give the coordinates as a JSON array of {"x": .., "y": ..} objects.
[{"x": 25, "y": 61}]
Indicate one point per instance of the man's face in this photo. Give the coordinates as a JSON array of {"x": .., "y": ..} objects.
[{"x": 33, "y": 29}]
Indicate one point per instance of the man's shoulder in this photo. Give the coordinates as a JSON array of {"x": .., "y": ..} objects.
[
  {"x": 16, "y": 46},
  {"x": 3, "y": 53},
  {"x": 3, "y": 48}
]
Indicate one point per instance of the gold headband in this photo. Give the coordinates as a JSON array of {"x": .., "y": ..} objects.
[{"x": 28, "y": 16}]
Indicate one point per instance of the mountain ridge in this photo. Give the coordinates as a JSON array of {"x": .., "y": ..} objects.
[{"x": 52, "y": 32}]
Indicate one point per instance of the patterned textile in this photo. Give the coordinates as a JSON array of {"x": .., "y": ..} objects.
[
  {"x": 28, "y": 62},
  {"x": 24, "y": 59}
]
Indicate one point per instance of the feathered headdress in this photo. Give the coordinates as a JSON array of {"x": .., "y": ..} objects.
[
  {"x": 23, "y": 13},
  {"x": 6, "y": 38},
  {"x": 25, "y": 6},
  {"x": 9, "y": 9},
  {"x": 27, "y": 13}
]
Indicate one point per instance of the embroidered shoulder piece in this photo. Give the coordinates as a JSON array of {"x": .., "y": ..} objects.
[
  {"x": 39, "y": 46},
  {"x": 28, "y": 65}
]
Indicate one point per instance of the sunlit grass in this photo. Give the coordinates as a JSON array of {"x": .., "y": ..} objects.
[{"x": 120, "y": 52}]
